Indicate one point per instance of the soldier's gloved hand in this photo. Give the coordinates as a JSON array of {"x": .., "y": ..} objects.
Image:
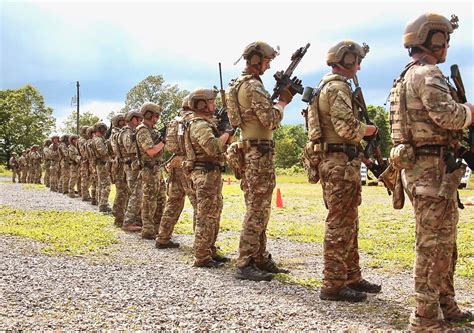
[
  {"x": 229, "y": 129},
  {"x": 370, "y": 131},
  {"x": 467, "y": 156},
  {"x": 285, "y": 95}
]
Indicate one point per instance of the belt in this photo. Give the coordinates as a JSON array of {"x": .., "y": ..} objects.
[
  {"x": 432, "y": 150},
  {"x": 340, "y": 148},
  {"x": 260, "y": 142},
  {"x": 207, "y": 166}
]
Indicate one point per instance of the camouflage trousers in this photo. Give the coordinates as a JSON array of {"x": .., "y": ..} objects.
[
  {"x": 121, "y": 196},
  {"x": 434, "y": 199},
  {"x": 258, "y": 182},
  {"x": 132, "y": 212},
  {"x": 95, "y": 195},
  {"x": 160, "y": 205},
  {"x": 29, "y": 174},
  {"x": 36, "y": 173},
  {"x": 178, "y": 187},
  {"x": 24, "y": 174},
  {"x": 103, "y": 183},
  {"x": 342, "y": 189},
  {"x": 15, "y": 173},
  {"x": 207, "y": 186},
  {"x": 85, "y": 180},
  {"x": 73, "y": 176},
  {"x": 64, "y": 176},
  {"x": 47, "y": 166},
  {"x": 54, "y": 176},
  {"x": 151, "y": 183}
]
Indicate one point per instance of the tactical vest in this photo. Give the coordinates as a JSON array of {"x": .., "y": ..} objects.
[
  {"x": 128, "y": 153},
  {"x": 54, "y": 152},
  {"x": 115, "y": 145},
  {"x": 175, "y": 134},
  {"x": 409, "y": 119},
  {"x": 145, "y": 159},
  {"x": 328, "y": 132},
  {"x": 81, "y": 146},
  {"x": 232, "y": 99},
  {"x": 63, "y": 151}
]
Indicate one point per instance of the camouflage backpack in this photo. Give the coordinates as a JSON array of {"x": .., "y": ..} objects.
[{"x": 175, "y": 134}]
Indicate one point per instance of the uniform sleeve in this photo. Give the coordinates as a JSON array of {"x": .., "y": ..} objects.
[
  {"x": 101, "y": 147},
  {"x": 343, "y": 118},
  {"x": 144, "y": 139},
  {"x": 435, "y": 96},
  {"x": 202, "y": 133},
  {"x": 268, "y": 115},
  {"x": 127, "y": 142}
]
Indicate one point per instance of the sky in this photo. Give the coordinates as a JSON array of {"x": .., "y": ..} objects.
[{"x": 110, "y": 46}]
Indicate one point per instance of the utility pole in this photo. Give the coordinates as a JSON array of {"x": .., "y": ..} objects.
[{"x": 77, "y": 105}]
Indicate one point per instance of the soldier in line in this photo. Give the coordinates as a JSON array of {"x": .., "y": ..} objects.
[
  {"x": 128, "y": 149},
  {"x": 35, "y": 158},
  {"x": 95, "y": 195},
  {"x": 15, "y": 166},
  {"x": 54, "y": 174},
  {"x": 29, "y": 166},
  {"x": 205, "y": 159},
  {"x": 178, "y": 181},
  {"x": 251, "y": 108},
  {"x": 101, "y": 153},
  {"x": 84, "y": 167},
  {"x": 121, "y": 194},
  {"x": 74, "y": 164},
  {"x": 339, "y": 132},
  {"x": 47, "y": 162},
  {"x": 426, "y": 127},
  {"x": 23, "y": 162},
  {"x": 149, "y": 152},
  {"x": 63, "y": 152}
]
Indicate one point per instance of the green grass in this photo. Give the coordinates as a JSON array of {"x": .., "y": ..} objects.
[
  {"x": 4, "y": 171},
  {"x": 33, "y": 186},
  {"x": 61, "y": 231}
]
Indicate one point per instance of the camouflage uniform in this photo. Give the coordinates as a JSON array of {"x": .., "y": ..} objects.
[
  {"x": 63, "y": 151},
  {"x": 150, "y": 175},
  {"x": 23, "y": 167},
  {"x": 84, "y": 168},
  {"x": 179, "y": 186},
  {"x": 92, "y": 166},
  {"x": 35, "y": 157},
  {"x": 208, "y": 150},
  {"x": 54, "y": 175},
  {"x": 127, "y": 142},
  {"x": 101, "y": 154},
  {"x": 259, "y": 119},
  {"x": 47, "y": 163},
  {"x": 433, "y": 124},
  {"x": 74, "y": 164},
  {"x": 14, "y": 165},
  {"x": 29, "y": 164},
  {"x": 121, "y": 196}
]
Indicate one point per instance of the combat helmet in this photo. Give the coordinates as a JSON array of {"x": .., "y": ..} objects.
[
  {"x": 83, "y": 131},
  {"x": 199, "y": 96},
  {"x": 100, "y": 127},
  {"x": 65, "y": 138},
  {"x": 185, "y": 102},
  {"x": 149, "y": 109},
  {"x": 420, "y": 31},
  {"x": 118, "y": 120},
  {"x": 47, "y": 142},
  {"x": 346, "y": 53},
  {"x": 133, "y": 113},
  {"x": 89, "y": 132},
  {"x": 73, "y": 137},
  {"x": 256, "y": 51}
]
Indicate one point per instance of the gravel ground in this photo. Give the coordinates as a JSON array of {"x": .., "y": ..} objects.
[{"x": 134, "y": 286}]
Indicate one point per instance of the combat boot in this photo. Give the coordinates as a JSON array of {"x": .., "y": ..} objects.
[
  {"x": 169, "y": 245},
  {"x": 271, "y": 267},
  {"x": 148, "y": 235},
  {"x": 209, "y": 264},
  {"x": 365, "y": 286},
  {"x": 421, "y": 324},
  {"x": 131, "y": 228},
  {"x": 105, "y": 209},
  {"x": 219, "y": 258},
  {"x": 452, "y": 312},
  {"x": 344, "y": 294},
  {"x": 251, "y": 272},
  {"x": 94, "y": 202},
  {"x": 86, "y": 199}
]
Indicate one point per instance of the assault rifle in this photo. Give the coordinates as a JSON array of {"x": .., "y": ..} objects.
[
  {"x": 223, "y": 122},
  {"x": 373, "y": 142},
  {"x": 284, "y": 80},
  {"x": 459, "y": 95}
]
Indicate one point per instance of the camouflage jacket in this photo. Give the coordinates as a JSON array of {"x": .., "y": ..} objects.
[{"x": 204, "y": 140}]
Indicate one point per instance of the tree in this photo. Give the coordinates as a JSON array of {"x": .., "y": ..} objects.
[
  {"x": 24, "y": 120},
  {"x": 289, "y": 143},
  {"x": 380, "y": 118},
  {"x": 85, "y": 119},
  {"x": 153, "y": 89}
]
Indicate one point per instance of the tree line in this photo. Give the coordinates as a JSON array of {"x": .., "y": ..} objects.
[{"x": 25, "y": 120}]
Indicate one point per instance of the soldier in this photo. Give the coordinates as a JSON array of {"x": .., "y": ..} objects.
[
  {"x": 35, "y": 158},
  {"x": 74, "y": 164},
  {"x": 204, "y": 160},
  {"x": 54, "y": 175},
  {"x": 64, "y": 153},
  {"x": 257, "y": 115},
  {"x": 150, "y": 149},
  {"x": 101, "y": 153},
  {"x": 29, "y": 165},
  {"x": 23, "y": 162},
  {"x": 426, "y": 127},
  {"x": 14, "y": 165},
  {"x": 121, "y": 196},
  {"x": 128, "y": 149},
  {"x": 92, "y": 166},
  {"x": 47, "y": 162},
  {"x": 339, "y": 132},
  {"x": 84, "y": 168},
  {"x": 178, "y": 180}
]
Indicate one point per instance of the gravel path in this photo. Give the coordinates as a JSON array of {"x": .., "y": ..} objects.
[{"x": 137, "y": 287}]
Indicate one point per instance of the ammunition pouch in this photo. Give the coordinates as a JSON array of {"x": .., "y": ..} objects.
[
  {"x": 392, "y": 179},
  {"x": 311, "y": 158},
  {"x": 403, "y": 156},
  {"x": 235, "y": 159},
  {"x": 450, "y": 182}
]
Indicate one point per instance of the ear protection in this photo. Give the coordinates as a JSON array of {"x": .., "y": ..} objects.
[
  {"x": 349, "y": 60},
  {"x": 200, "y": 104},
  {"x": 148, "y": 115},
  {"x": 437, "y": 41}
]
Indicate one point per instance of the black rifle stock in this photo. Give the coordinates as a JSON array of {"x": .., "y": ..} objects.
[
  {"x": 284, "y": 80},
  {"x": 373, "y": 142},
  {"x": 223, "y": 124},
  {"x": 459, "y": 94}
]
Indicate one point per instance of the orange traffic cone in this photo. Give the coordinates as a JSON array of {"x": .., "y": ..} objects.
[{"x": 279, "y": 200}]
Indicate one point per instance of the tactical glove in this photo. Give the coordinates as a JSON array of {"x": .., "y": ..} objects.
[
  {"x": 467, "y": 156},
  {"x": 285, "y": 95}
]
